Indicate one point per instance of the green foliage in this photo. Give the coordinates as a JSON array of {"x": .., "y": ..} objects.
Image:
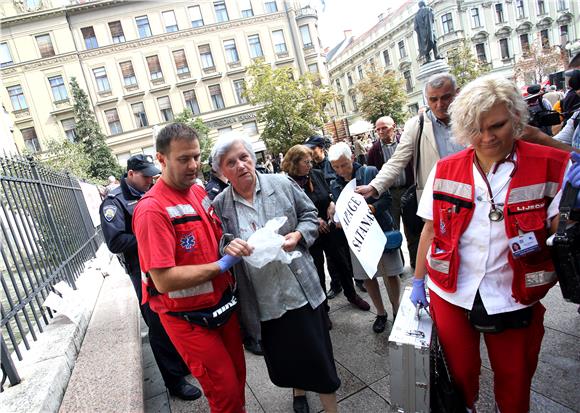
[
  {"x": 291, "y": 110},
  {"x": 381, "y": 94},
  {"x": 205, "y": 143},
  {"x": 65, "y": 155},
  {"x": 464, "y": 65},
  {"x": 102, "y": 163},
  {"x": 538, "y": 62}
]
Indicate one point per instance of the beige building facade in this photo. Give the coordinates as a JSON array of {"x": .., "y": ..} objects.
[
  {"x": 142, "y": 63},
  {"x": 498, "y": 31}
]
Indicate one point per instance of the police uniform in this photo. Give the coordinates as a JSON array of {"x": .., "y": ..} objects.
[
  {"x": 214, "y": 186},
  {"x": 116, "y": 214}
]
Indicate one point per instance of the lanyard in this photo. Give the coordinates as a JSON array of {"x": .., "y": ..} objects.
[{"x": 495, "y": 213}]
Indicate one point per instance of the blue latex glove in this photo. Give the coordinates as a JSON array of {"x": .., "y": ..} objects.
[
  {"x": 227, "y": 261},
  {"x": 418, "y": 295},
  {"x": 573, "y": 176}
]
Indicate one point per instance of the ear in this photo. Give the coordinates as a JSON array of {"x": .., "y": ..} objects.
[{"x": 160, "y": 158}]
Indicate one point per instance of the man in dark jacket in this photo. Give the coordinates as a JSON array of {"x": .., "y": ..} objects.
[{"x": 116, "y": 213}]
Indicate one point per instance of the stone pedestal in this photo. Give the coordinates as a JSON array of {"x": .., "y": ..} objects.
[{"x": 428, "y": 69}]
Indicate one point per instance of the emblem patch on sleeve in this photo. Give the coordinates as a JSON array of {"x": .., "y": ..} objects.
[{"x": 109, "y": 212}]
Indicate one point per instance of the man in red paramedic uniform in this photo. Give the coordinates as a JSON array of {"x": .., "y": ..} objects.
[{"x": 184, "y": 279}]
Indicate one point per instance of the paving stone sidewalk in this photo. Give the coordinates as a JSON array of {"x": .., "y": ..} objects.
[{"x": 363, "y": 366}]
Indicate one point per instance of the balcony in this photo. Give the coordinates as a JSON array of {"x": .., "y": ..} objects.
[{"x": 306, "y": 12}]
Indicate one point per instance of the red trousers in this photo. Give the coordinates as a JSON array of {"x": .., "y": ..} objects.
[
  {"x": 513, "y": 355},
  {"x": 215, "y": 358}
]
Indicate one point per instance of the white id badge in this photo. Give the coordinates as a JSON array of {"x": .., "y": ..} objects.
[{"x": 523, "y": 244}]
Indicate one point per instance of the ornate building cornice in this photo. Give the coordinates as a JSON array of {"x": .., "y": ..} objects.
[{"x": 39, "y": 63}]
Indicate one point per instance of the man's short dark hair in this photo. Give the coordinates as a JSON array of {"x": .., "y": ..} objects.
[{"x": 173, "y": 132}]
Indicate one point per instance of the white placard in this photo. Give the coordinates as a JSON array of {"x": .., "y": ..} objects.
[
  {"x": 93, "y": 200},
  {"x": 363, "y": 233}
]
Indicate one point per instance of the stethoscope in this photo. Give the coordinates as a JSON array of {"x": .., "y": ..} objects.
[{"x": 496, "y": 213}]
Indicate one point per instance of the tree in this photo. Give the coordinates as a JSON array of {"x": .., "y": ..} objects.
[
  {"x": 292, "y": 110},
  {"x": 186, "y": 117},
  {"x": 464, "y": 65},
  {"x": 91, "y": 138},
  {"x": 62, "y": 154},
  {"x": 538, "y": 62},
  {"x": 381, "y": 94}
]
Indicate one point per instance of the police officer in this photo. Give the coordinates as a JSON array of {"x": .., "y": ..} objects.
[
  {"x": 116, "y": 221},
  {"x": 217, "y": 183}
]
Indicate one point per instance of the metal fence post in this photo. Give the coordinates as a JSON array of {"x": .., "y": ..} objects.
[
  {"x": 79, "y": 206},
  {"x": 7, "y": 364},
  {"x": 51, "y": 223}
]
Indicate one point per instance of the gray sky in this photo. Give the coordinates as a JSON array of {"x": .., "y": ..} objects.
[{"x": 340, "y": 15}]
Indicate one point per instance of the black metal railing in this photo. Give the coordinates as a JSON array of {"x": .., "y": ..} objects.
[{"x": 46, "y": 236}]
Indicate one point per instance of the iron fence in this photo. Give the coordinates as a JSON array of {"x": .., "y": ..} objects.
[{"x": 46, "y": 236}]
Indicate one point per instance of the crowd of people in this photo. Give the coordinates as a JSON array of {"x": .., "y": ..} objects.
[{"x": 486, "y": 186}]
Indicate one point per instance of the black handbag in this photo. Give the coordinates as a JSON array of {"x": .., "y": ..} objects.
[
  {"x": 565, "y": 247},
  {"x": 444, "y": 396},
  {"x": 409, "y": 204}
]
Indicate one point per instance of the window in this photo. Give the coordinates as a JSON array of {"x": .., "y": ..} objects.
[
  {"x": 143, "y": 26},
  {"x": 169, "y": 21},
  {"x": 305, "y": 33},
  {"x": 386, "y": 58},
  {"x": 239, "y": 86},
  {"x": 165, "y": 108},
  {"x": 279, "y": 42},
  {"x": 101, "y": 79},
  {"x": 45, "y": 45},
  {"x": 231, "y": 51},
  {"x": 32, "y": 4},
  {"x": 475, "y": 20},
  {"x": 564, "y": 34},
  {"x": 313, "y": 67},
  {"x": 255, "y": 46},
  {"x": 139, "y": 114},
  {"x": 505, "y": 51},
  {"x": 217, "y": 100},
  {"x": 17, "y": 97},
  {"x": 5, "y": 56},
  {"x": 359, "y": 70},
  {"x": 480, "y": 52},
  {"x": 545, "y": 38},
  {"x": 250, "y": 128},
  {"x": 338, "y": 86},
  {"x": 180, "y": 61},
  {"x": 402, "y": 50},
  {"x": 205, "y": 56},
  {"x": 499, "y": 13},
  {"x": 342, "y": 106},
  {"x": 191, "y": 102},
  {"x": 221, "y": 13},
  {"x": 128, "y": 73},
  {"x": 223, "y": 131},
  {"x": 246, "y": 8},
  {"x": 354, "y": 102},
  {"x": 372, "y": 63},
  {"x": 116, "y": 32},
  {"x": 413, "y": 109},
  {"x": 541, "y": 7},
  {"x": 195, "y": 16},
  {"x": 113, "y": 120},
  {"x": 270, "y": 7},
  {"x": 90, "y": 38},
  {"x": 520, "y": 11},
  {"x": 408, "y": 82},
  {"x": 69, "y": 127},
  {"x": 349, "y": 78},
  {"x": 447, "y": 22},
  {"x": 58, "y": 88},
  {"x": 525, "y": 43},
  {"x": 30, "y": 140},
  {"x": 154, "y": 68},
  {"x": 562, "y": 5}
]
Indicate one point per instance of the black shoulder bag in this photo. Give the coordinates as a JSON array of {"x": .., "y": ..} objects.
[
  {"x": 409, "y": 204},
  {"x": 444, "y": 397},
  {"x": 565, "y": 247}
]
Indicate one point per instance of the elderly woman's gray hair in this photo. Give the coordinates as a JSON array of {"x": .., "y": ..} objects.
[
  {"x": 224, "y": 143},
  {"x": 477, "y": 98},
  {"x": 338, "y": 150}
]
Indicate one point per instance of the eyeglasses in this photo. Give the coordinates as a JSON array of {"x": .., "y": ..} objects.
[{"x": 305, "y": 162}]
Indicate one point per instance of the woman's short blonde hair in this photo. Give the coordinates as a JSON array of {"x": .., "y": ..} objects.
[
  {"x": 477, "y": 98},
  {"x": 294, "y": 155}
]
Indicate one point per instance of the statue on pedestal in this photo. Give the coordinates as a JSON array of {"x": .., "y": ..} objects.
[{"x": 425, "y": 28}]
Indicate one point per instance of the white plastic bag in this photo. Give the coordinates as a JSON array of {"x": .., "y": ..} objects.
[{"x": 268, "y": 243}]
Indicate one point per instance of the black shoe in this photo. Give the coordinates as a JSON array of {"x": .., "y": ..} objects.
[
  {"x": 300, "y": 404},
  {"x": 357, "y": 301},
  {"x": 380, "y": 323},
  {"x": 254, "y": 347},
  {"x": 360, "y": 286},
  {"x": 332, "y": 293},
  {"x": 184, "y": 390}
]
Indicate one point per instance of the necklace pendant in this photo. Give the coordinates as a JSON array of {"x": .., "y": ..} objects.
[{"x": 495, "y": 215}]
